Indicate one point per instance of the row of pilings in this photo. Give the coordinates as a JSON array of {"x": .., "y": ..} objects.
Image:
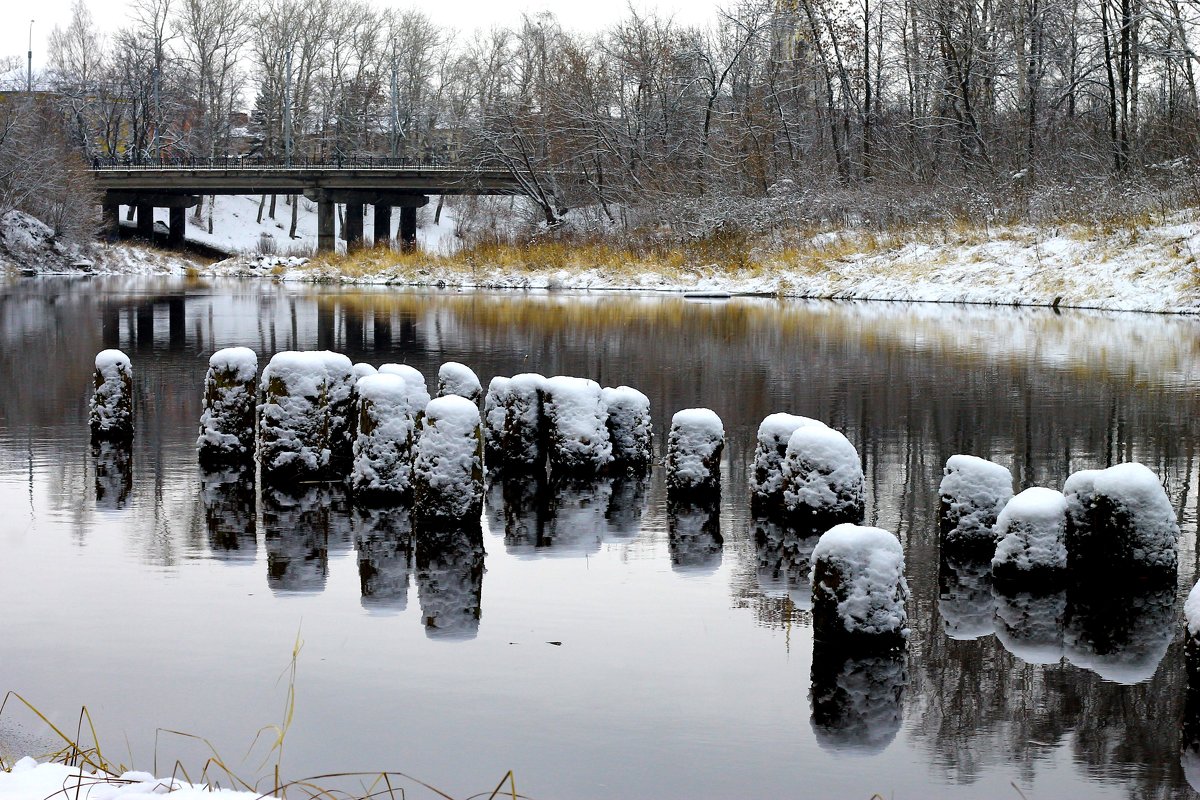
[{"x": 315, "y": 416}]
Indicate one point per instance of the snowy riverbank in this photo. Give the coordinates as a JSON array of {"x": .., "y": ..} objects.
[
  {"x": 1150, "y": 266},
  {"x": 30, "y": 780}
]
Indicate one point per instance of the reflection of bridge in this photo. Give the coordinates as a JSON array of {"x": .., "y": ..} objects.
[{"x": 381, "y": 183}]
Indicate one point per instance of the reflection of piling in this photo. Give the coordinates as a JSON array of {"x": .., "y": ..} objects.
[
  {"x": 1030, "y": 624},
  {"x": 694, "y": 447},
  {"x": 766, "y": 474},
  {"x": 296, "y": 530},
  {"x": 111, "y": 409},
  {"x": 965, "y": 600},
  {"x": 387, "y": 429},
  {"x": 629, "y": 427},
  {"x": 229, "y": 513},
  {"x": 519, "y": 506},
  {"x": 823, "y": 481},
  {"x": 972, "y": 492},
  {"x": 784, "y": 558},
  {"x": 383, "y": 539},
  {"x": 1122, "y": 524},
  {"x": 1032, "y": 533},
  {"x": 293, "y": 425},
  {"x": 859, "y": 590},
  {"x": 448, "y": 469},
  {"x": 626, "y": 504},
  {"x": 449, "y": 577},
  {"x": 227, "y": 422},
  {"x": 1189, "y": 738},
  {"x": 857, "y": 700},
  {"x": 694, "y": 534},
  {"x": 1118, "y": 631},
  {"x": 577, "y": 424},
  {"x": 461, "y": 380},
  {"x": 113, "y": 464}
]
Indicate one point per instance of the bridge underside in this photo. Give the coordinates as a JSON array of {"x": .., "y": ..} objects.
[{"x": 383, "y": 189}]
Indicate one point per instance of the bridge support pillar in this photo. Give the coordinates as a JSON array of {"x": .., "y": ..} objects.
[
  {"x": 354, "y": 226},
  {"x": 145, "y": 222},
  {"x": 112, "y": 220},
  {"x": 408, "y": 228},
  {"x": 383, "y": 225},
  {"x": 325, "y": 226},
  {"x": 178, "y": 226}
]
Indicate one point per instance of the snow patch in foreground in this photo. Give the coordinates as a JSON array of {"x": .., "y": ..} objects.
[{"x": 29, "y": 779}]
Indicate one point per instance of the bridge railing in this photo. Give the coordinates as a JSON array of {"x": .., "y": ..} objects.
[{"x": 226, "y": 163}]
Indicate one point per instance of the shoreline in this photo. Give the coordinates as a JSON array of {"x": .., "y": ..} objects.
[{"x": 1145, "y": 268}]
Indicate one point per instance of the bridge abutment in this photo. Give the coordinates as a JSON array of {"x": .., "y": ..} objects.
[{"x": 145, "y": 221}]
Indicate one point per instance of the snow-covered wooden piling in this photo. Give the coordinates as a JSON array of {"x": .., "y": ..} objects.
[
  {"x": 387, "y": 432},
  {"x": 577, "y": 425},
  {"x": 230, "y": 398},
  {"x": 293, "y": 422},
  {"x": 629, "y": 427},
  {"x": 1120, "y": 521},
  {"x": 1191, "y": 647},
  {"x": 823, "y": 481},
  {"x": 694, "y": 447},
  {"x": 110, "y": 412},
  {"x": 448, "y": 469},
  {"x": 341, "y": 410},
  {"x": 363, "y": 369},
  {"x": 459, "y": 379},
  {"x": 973, "y": 492},
  {"x": 859, "y": 590},
  {"x": 1032, "y": 530},
  {"x": 766, "y": 474},
  {"x": 495, "y": 420}
]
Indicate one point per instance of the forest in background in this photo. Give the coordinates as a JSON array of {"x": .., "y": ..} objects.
[{"x": 779, "y": 115}]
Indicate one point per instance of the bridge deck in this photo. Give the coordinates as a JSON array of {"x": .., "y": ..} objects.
[{"x": 239, "y": 179}]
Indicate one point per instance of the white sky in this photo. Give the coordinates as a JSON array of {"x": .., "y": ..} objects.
[{"x": 461, "y": 14}]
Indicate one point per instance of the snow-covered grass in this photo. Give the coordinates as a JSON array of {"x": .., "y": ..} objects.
[{"x": 1138, "y": 263}]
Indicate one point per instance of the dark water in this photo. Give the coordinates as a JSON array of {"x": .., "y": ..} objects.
[{"x": 594, "y": 645}]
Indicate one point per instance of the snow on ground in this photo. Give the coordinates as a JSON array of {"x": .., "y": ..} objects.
[
  {"x": 30, "y": 780},
  {"x": 1135, "y": 268}
]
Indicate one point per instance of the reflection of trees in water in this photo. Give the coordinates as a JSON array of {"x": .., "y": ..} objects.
[
  {"x": 297, "y": 532},
  {"x": 857, "y": 699},
  {"x": 229, "y": 514},
  {"x": 383, "y": 539},
  {"x": 694, "y": 536},
  {"x": 113, "y": 464},
  {"x": 965, "y": 601},
  {"x": 449, "y": 576}
]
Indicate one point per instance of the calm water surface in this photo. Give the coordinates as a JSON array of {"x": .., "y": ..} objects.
[{"x": 595, "y": 646}]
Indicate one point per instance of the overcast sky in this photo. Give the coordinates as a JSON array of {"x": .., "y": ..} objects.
[{"x": 464, "y": 15}]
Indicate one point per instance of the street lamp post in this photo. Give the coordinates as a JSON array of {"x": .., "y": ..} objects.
[{"x": 29, "y": 68}]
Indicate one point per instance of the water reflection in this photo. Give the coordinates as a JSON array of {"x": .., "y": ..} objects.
[
  {"x": 857, "y": 700},
  {"x": 694, "y": 536},
  {"x": 783, "y": 561},
  {"x": 384, "y": 541},
  {"x": 965, "y": 600},
  {"x": 1119, "y": 632},
  {"x": 112, "y": 462},
  {"x": 1189, "y": 737},
  {"x": 229, "y": 514},
  {"x": 565, "y": 517},
  {"x": 449, "y": 579},
  {"x": 1030, "y": 624},
  {"x": 297, "y": 526}
]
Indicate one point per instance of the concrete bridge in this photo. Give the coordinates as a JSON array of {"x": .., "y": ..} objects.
[{"x": 381, "y": 183}]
